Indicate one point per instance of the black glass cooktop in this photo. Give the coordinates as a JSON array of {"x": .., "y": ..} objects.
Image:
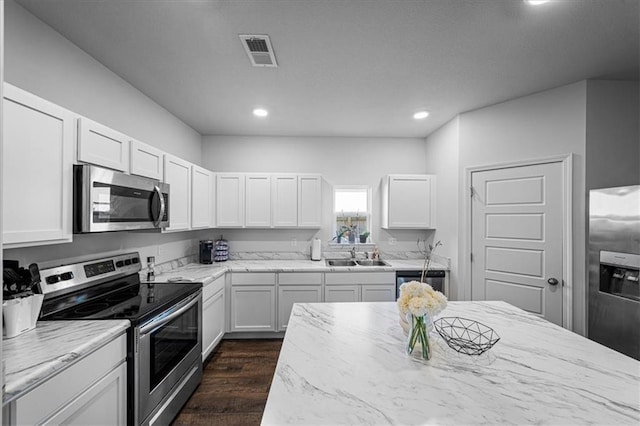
[{"x": 125, "y": 298}]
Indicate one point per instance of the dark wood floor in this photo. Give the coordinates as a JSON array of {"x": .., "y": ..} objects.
[{"x": 234, "y": 386}]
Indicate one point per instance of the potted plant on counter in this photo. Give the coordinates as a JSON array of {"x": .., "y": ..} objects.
[{"x": 363, "y": 237}]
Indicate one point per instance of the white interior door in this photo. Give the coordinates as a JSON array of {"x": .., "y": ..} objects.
[{"x": 517, "y": 237}]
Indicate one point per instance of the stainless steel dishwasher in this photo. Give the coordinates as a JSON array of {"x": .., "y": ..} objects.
[{"x": 435, "y": 279}]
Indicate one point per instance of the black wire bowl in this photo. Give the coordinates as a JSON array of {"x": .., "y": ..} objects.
[{"x": 466, "y": 336}]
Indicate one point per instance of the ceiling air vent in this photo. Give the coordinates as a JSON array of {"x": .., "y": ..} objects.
[{"x": 259, "y": 50}]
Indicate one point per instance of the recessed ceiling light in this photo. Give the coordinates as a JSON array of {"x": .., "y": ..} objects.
[
  {"x": 260, "y": 112},
  {"x": 536, "y": 2},
  {"x": 420, "y": 115}
]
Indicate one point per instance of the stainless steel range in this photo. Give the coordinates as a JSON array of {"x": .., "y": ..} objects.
[{"x": 164, "y": 342}]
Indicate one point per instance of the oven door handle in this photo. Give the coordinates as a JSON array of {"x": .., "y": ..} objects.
[
  {"x": 156, "y": 222},
  {"x": 161, "y": 320}
]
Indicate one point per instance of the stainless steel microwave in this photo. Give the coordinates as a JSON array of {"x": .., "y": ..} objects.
[{"x": 105, "y": 200}]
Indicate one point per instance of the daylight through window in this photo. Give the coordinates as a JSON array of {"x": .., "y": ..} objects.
[{"x": 352, "y": 211}]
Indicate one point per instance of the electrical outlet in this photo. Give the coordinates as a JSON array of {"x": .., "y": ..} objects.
[
  {"x": 392, "y": 241},
  {"x": 294, "y": 242}
]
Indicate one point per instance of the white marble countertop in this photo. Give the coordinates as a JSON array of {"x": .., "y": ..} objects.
[
  {"x": 205, "y": 273},
  {"x": 51, "y": 347},
  {"x": 344, "y": 363}
]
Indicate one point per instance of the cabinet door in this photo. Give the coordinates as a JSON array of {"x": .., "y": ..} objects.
[
  {"x": 212, "y": 323},
  {"x": 253, "y": 308},
  {"x": 310, "y": 201},
  {"x": 378, "y": 293},
  {"x": 342, "y": 293},
  {"x": 105, "y": 403},
  {"x": 37, "y": 170},
  {"x": 288, "y": 295},
  {"x": 177, "y": 173},
  {"x": 257, "y": 212},
  {"x": 146, "y": 160},
  {"x": 102, "y": 146},
  {"x": 411, "y": 202},
  {"x": 230, "y": 200},
  {"x": 284, "y": 201},
  {"x": 202, "y": 193}
]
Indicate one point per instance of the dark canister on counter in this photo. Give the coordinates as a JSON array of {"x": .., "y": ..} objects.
[{"x": 206, "y": 251}]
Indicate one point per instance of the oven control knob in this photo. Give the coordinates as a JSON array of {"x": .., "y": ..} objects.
[
  {"x": 119, "y": 263},
  {"x": 127, "y": 262},
  {"x": 66, "y": 276},
  {"x": 135, "y": 260},
  {"x": 53, "y": 279}
]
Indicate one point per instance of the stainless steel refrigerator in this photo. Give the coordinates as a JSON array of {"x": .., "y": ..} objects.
[{"x": 614, "y": 262}]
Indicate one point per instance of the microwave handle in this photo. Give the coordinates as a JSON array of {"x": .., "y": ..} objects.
[{"x": 156, "y": 221}]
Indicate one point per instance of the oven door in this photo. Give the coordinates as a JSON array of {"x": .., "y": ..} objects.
[
  {"x": 105, "y": 200},
  {"x": 169, "y": 348}
]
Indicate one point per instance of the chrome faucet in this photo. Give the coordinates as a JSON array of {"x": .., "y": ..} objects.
[{"x": 353, "y": 252}]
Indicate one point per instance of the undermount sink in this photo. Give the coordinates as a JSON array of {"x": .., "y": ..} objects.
[
  {"x": 351, "y": 262},
  {"x": 341, "y": 262},
  {"x": 372, "y": 262}
]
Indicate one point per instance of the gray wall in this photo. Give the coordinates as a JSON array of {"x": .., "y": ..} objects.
[
  {"x": 596, "y": 121},
  {"x": 613, "y": 134},
  {"x": 442, "y": 159},
  {"x": 341, "y": 161},
  {"x": 41, "y": 61}
]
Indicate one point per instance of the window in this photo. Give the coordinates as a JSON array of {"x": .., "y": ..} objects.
[{"x": 352, "y": 214}]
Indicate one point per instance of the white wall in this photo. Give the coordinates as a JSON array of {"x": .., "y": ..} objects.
[
  {"x": 341, "y": 161},
  {"x": 442, "y": 152},
  {"x": 41, "y": 61},
  {"x": 541, "y": 125}
]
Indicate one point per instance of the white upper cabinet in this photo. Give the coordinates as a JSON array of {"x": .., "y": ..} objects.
[
  {"x": 408, "y": 201},
  {"x": 37, "y": 170},
  {"x": 102, "y": 146},
  {"x": 230, "y": 200},
  {"x": 202, "y": 198},
  {"x": 146, "y": 160},
  {"x": 310, "y": 201},
  {"x": 177, "y": 173},
  {"x": 257, "y": 206},
  {"x": 284, "y": 201}
]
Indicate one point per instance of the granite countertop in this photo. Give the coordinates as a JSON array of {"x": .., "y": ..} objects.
[
  {"x": 344, "y": 363},
  {"x": 205, "y": 273},
  {"x": 33, "y": 357}
]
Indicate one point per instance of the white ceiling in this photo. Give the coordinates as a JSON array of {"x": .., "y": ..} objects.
[{"x": 347, "y": 68}]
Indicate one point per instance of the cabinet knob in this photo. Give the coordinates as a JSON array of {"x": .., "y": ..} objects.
[{"x": 552, "y": 281}]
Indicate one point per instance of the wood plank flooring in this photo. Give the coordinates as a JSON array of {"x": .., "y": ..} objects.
[{"x": 234, "y": 386}]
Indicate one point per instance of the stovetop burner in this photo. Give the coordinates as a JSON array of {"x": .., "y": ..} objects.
[{"x": 125, "y": 298}]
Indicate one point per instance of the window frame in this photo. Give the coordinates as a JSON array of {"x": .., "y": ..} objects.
[{"x": 368, "y": 216}]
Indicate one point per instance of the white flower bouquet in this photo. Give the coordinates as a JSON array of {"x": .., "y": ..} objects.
[{"x": 419, "y": 303}]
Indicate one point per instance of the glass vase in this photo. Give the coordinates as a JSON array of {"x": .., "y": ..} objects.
[{"x": 420, "y": 325}]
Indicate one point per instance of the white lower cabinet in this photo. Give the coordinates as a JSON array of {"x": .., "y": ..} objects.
[
  {"x": 213, "y": 315},
  {"x": 341, "y": 293},
  {"x": 378, "y": 293},
  {"x": 93, "y": 391},
  {"x": 296, "y": 287},
  {"x": 253, "y": 301},
  {"x": 360, "y": 287}
]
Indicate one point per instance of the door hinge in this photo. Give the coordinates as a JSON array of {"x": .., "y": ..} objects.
[
  {"x": 471, "y": 191},
  {"x": 471, "y": 256}
]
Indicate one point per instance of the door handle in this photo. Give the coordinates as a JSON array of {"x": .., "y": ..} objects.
[{"x": 552, "y": 281}]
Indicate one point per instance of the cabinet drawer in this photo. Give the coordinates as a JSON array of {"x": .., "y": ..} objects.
[
  {"x": 300, "y": 278},
  {"x": 253, "y": 278},
  {"x": 212, "y": 288},
  {"x": 360, "y": 278},
  {"x": 49, "y": 397}
]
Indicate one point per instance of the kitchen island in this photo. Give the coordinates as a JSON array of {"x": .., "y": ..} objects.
[{"x": 344, "y": 363}]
